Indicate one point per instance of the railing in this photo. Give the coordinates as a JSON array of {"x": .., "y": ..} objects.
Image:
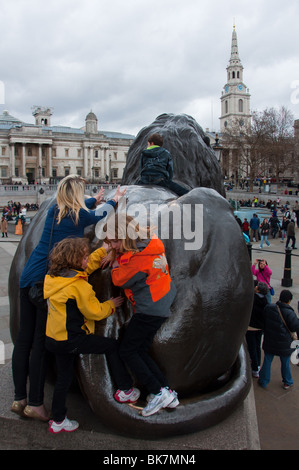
[
  {"x": 279, "y": 192},
  {"x": 48, "y": 188}
]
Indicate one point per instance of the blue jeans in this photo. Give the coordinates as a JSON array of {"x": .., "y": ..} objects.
[
  {"x": 264, "y": 237},
  {"x": 265, "y": 372},
  {"x": 283, "y": 233}
]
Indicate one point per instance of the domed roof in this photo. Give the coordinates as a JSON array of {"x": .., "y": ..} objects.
[
  {"x": 5, "y": 116},
  {"x": 91, "y": 117}
]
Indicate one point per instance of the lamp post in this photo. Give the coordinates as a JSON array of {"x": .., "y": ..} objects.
[{"x": 217, "y": 148}]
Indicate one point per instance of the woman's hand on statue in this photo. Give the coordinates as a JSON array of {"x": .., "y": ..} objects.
[
  {"x": 119, "y": 194},
  {"x": 100, "y": 196}
]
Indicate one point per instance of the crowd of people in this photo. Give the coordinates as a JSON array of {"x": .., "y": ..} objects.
[
  {"x": 12, "y": 209},
  {"x": 15, "y": 211},
  {"x": 260, "y": 202},
  {"x": 272, "y": 327},
  {"x": 284, "y": 228}
]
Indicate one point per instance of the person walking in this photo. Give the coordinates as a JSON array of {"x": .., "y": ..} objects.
[
  {"x": 4, "y": 227},
  {"x": 265, "y": 227},
  {"x": 255, "y": 328},
  {"x": 279, "y": 320},
  {"x": 245, "y": 227},
  {"x": 291, "y": 234},
  {"x": 284, "y": 228},
  {"x": 296, "y": 210},
  {"x": 254, "y": 228}
]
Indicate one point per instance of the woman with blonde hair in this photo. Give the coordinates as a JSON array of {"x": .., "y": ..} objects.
[{"x": 67, "y": 218}]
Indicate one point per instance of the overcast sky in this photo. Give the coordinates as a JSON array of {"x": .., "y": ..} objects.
[{"x": 132, "y": 60}]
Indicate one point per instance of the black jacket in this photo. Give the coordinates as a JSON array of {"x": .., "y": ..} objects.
[
  {"x": 257, "y": 319},
  {"x": 277, "y": 339},
  {"x": 155, "y": 165},
  {"x": 265, "y": 228}
]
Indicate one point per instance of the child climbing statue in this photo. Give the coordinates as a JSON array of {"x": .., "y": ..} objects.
[
  {"x": 156, "y": 166},
  {"x": 140, "y": 268}
]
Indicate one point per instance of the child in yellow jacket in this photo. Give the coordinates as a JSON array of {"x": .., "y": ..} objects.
[{"x": 72, "y": 310}]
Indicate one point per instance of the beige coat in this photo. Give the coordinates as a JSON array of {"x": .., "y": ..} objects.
[{"x": 3, "y": 226}]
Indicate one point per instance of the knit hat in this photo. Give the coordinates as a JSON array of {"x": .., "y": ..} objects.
[{"x": 263, "y": 288}]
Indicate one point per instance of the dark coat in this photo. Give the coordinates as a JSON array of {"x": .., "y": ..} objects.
[
  {"x": 277, "y": 339},
  {"x": 291, "y": 229},
  {"x": 259, "y": 303},
  {"x": 155, "y": 165},
  {"x": 265, "y": 228}
]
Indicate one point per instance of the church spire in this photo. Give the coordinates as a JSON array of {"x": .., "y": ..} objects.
[
  {"x": 234, "y": 56},
  {"x": 235, "y": 67}
]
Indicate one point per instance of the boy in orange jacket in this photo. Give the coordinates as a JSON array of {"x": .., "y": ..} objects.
[{"x": 140, "y": 268}]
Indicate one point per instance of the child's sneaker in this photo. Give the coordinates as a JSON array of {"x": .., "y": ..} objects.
[
  {"x": 173, "y": 404},
  {"x": 66, "y": 425},
  {"x": 156, "y": 402},
  {"x": 175, "y": 401},
  {"x": 128, "y": 396}
]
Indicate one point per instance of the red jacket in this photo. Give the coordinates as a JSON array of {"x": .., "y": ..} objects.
[{"x": 145, "y": 278}]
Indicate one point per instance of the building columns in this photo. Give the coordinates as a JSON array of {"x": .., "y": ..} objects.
[
  {"x": 50, "y": 155},
  {"x": 23, "y": 161},
  {"x": 85, "y": 161},
  {"x": 12, "y": 159}
]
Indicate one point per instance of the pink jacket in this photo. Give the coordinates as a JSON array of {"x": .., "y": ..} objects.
[{"x": 262, "y": 276}]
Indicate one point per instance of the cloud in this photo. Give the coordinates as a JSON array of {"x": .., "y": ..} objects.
[{"x": 131, "y": 61}]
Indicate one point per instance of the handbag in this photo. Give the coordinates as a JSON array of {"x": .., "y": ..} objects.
[
  {"x": 36, "y": 291},
  {"x": 36, "y": 295},
  {"x": 272, "y": 292},
  {"x": 293, "y": 334}
]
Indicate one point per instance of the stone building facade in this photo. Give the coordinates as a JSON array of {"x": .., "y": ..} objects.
[{"x": 42, "y": 153}]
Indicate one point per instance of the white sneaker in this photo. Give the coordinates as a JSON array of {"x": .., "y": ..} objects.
[
  {"x": 173, "y": 404},
  {"x": 156, "y": 402},
  {"x": 129, "y": 396},
  {"x": 66, "y": 425},
  {"x": 175, "y": 401}
]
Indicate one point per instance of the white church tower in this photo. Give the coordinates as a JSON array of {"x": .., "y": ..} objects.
[{"x": 235, "y": 98}]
